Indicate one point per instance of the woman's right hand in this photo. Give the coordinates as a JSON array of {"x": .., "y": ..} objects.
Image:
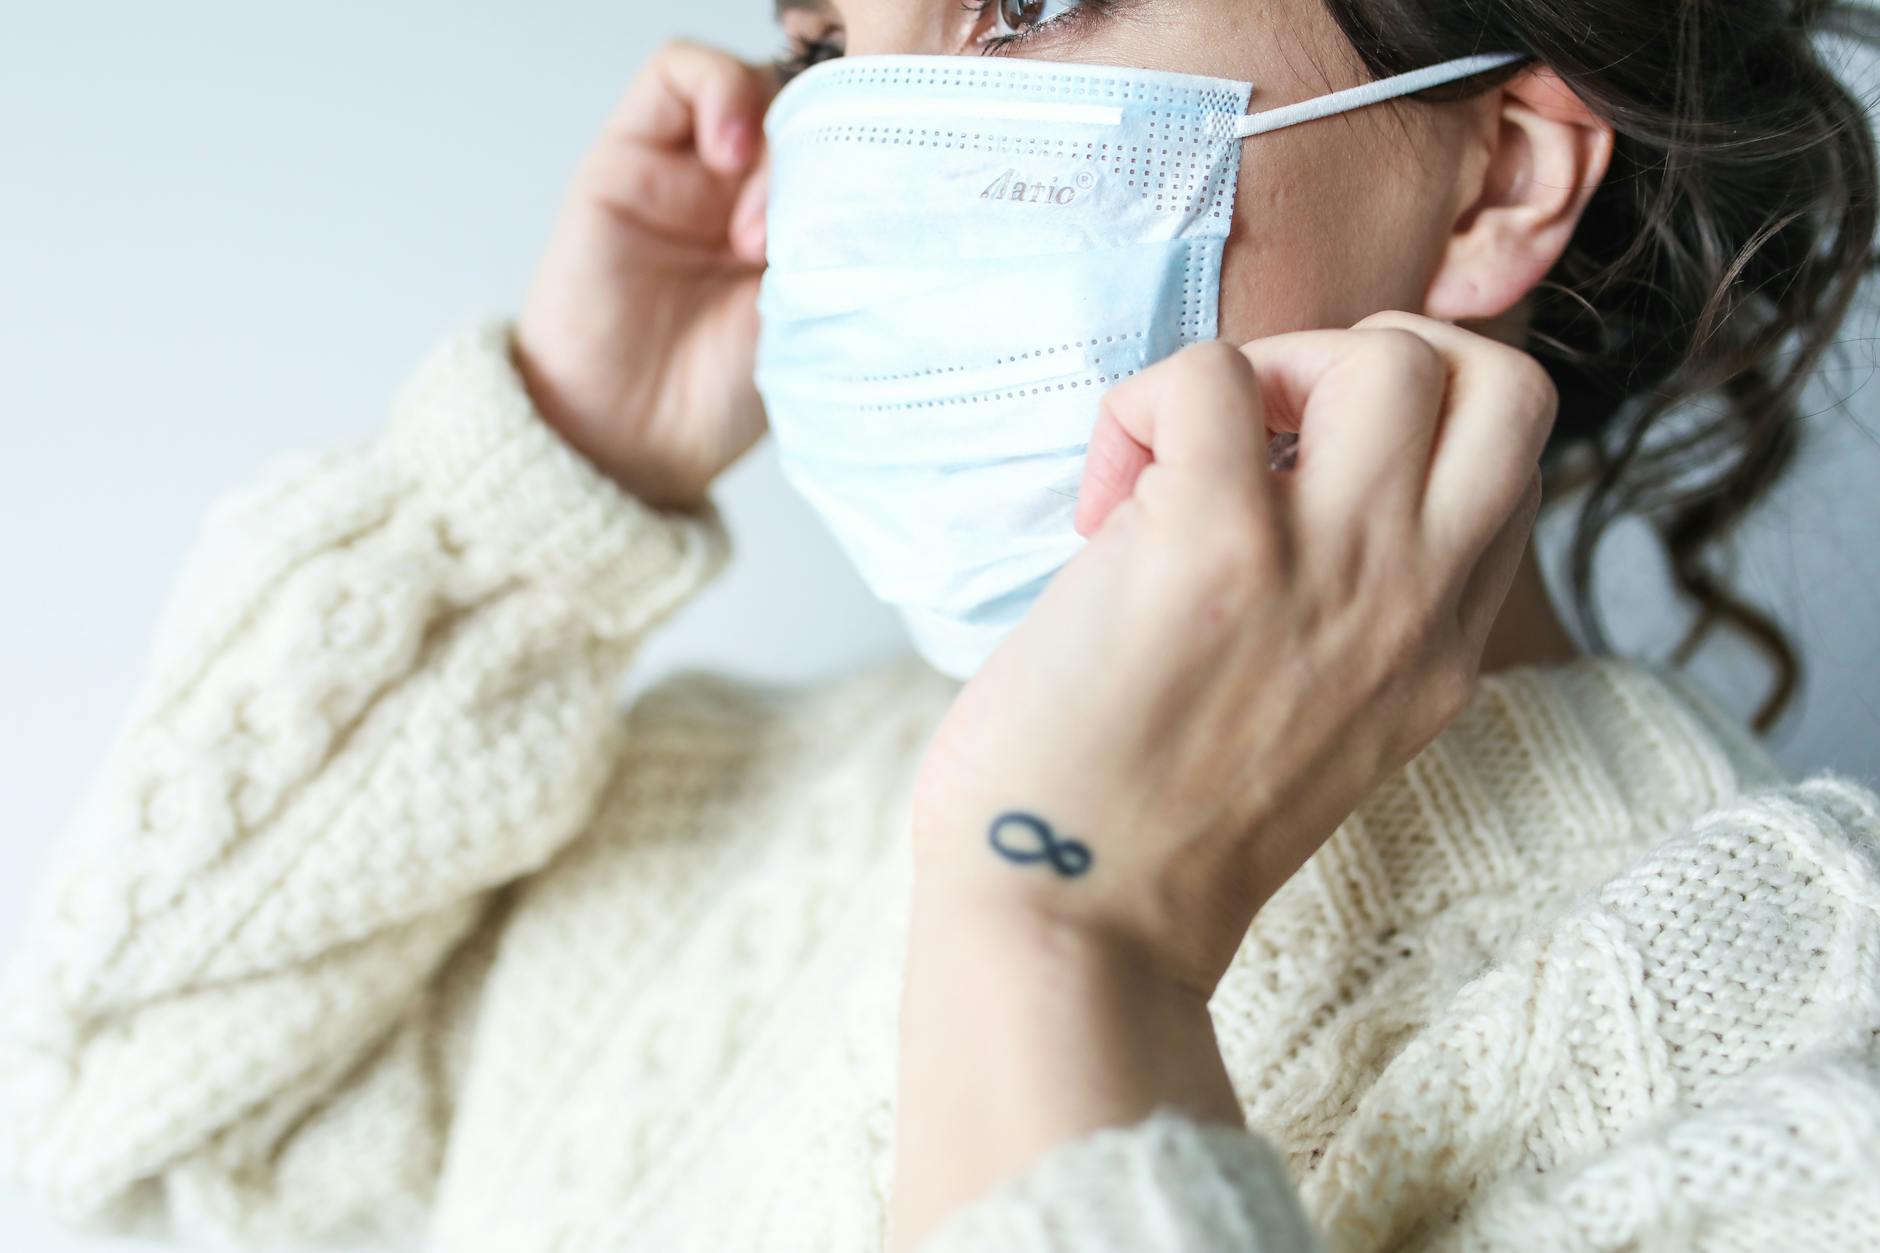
[
  {"x": 637, "y": 339},
  {"x": 1238, "y": 657}
]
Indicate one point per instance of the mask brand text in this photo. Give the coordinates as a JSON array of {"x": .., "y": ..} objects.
[{"x": 1010, "y": 186}]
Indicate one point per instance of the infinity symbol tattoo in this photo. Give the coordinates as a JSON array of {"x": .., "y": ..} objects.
[{"x": 1067, "y": 856}]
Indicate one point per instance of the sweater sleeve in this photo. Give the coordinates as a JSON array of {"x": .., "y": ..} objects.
[
  {"x": 384, "y": 687},
  {"x": 1168, "y": 1184}
]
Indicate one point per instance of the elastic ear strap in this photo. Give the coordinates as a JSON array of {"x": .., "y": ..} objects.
[{"x": 1370, "y": 93}]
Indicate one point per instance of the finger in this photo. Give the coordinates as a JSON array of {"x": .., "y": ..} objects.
[
  {"x": 648, "y": 169},
  {"x": 1486, "y": 588},
  {"x": 1365, "y": 404},
  {"x": 749, "y": 215},
  {"x": 1197, "y": 414},
  {"x": 667, "y": 191},
  {"x": 692, "y": 97},
  {"x": 1501, "y": 408},
  {"x": 1112, "y": 464}
]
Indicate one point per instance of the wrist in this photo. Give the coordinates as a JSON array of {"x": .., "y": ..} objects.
[
  {"x": 1180, "y": 920},
  {"x": 1067, "y": 992},
  {"x": 1022, "y": 1029},
  {"x": 1000, "y": 939},
  {"x": 595, "y": 437},
  {"x": 550, "y": 399}
]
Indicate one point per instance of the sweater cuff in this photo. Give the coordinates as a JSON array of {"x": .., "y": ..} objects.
[
  {"x": 1168, "y": 1184},
  {"x": 522, "y": 501}
]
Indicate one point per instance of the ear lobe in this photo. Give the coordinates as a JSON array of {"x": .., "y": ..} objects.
[{"x": 1547, "y": 155}]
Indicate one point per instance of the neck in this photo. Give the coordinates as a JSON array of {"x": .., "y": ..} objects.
[{"x": 1527, "y": 631}]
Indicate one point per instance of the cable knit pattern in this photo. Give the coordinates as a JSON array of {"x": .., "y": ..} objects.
[
  {"x": 1172, "y": 1184},
  {"x": 383, "y": 920}
]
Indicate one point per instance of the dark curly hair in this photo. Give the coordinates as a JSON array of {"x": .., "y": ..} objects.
[{"x": 1717, "y": 258}]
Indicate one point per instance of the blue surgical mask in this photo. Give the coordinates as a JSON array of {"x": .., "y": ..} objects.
[{"x": 963, "y": 254}]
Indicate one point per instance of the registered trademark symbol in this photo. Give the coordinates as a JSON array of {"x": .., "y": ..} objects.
[{"x": 1086, "y": 180}]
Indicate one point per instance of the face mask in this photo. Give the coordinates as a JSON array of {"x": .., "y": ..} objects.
[{"x": 963, "y": 254}]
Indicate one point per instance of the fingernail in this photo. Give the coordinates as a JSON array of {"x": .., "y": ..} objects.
[
  {"x": 748, "y": 230},
  {"x": 737, "y": 138}
]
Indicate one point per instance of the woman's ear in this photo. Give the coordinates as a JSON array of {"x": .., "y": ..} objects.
[{"x": 1546, "y": 154}]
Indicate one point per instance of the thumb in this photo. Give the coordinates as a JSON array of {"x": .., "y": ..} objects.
[
  {"x": 1191, "y": 412},
  {"x": 1111, "y": 465}
]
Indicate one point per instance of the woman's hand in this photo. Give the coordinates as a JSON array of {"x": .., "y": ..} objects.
[
  {"x": 638, "y": 336},
  {"x": 1197, "y": 700},
  {"x": 1238, "y": 656}
]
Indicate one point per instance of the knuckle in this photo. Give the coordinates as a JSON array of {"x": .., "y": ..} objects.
[
  {"x": 1386, "y": 318},
  {"x": 1210, "y": 359},
  {"x": 1533, "y": 387},
  {"x": 711, "y": 65},
  {"x": 1453, "y": 684},
  {"x": 1206, "y": 350},
  {"x": 677, "y": 48},
  {"x": 1202, "y": 371},
  {"x": 1407, "y": 355}
]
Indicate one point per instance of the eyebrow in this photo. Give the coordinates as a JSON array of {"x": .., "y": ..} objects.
[{"x": 784, "y": 6}]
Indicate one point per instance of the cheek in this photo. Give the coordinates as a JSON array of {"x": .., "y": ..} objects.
[{"x": 1320, "y": 238}]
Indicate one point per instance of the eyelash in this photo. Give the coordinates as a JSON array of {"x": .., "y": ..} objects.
[{"x": 803, "y": 53}]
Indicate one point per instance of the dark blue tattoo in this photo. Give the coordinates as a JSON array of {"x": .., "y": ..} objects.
[{"x": 1067, "y": 856}]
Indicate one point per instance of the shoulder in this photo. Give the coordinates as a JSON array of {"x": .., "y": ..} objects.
[
  {"x": 1710, "y": 1020},
  {"x": 1706, "y": 1013},
  {"x": 1756, "y": 929},
  {"x": 1749, "y": 936},
  {"x": 1630, "y": 747},
  {"x": 1745, "y": 929}
]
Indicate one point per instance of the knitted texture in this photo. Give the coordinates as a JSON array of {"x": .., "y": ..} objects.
[
  {"x": 1172, "y": 1184},
  {"x": 382, "y": 920}
]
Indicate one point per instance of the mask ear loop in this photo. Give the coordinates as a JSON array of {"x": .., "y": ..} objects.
[{"x": 1370, "y": 93}]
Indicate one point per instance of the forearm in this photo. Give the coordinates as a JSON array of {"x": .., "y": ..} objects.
[
  {"x": 383, "y": 687},
  {"x": 1018, "y": 1034}
]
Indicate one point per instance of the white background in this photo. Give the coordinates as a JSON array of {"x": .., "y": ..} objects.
[{"x": 228, "y": 230}]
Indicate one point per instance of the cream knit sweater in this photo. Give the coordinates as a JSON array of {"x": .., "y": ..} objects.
[{"x": 383, "y": 918}]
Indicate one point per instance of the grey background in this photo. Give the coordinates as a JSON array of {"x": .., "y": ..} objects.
[{"x": 228, "y": 230}]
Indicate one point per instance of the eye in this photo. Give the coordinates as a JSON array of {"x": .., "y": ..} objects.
[{"x": 1020, "y": 19}]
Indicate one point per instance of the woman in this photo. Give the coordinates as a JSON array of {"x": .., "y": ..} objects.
[{"x": 1285, "y": 877}]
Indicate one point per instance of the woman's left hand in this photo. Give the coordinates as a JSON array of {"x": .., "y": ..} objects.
[{"x": 1239, "y": 655}]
